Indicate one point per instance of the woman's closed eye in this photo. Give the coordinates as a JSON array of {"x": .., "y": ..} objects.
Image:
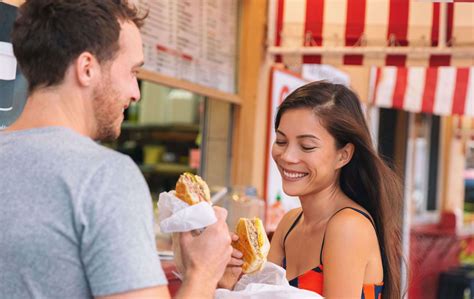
[
  {"x": 280, "y": 142},
  {"x": 306, "y": 148}
]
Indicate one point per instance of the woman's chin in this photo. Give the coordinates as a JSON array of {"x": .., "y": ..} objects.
[{"x": 291, "y": 191}]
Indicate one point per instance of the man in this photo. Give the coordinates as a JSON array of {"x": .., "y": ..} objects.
[{"x": 76, "y": 217}]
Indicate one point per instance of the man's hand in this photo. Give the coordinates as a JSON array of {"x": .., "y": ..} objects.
[
  {"x": 207, "y": 255},
  {"x": 234, "y": 269}
]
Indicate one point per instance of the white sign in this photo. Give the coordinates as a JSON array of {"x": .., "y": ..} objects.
[
  {"x": 7, "y": 62},
  {"x": 193, "y": 40},
  {"x": 317, "y": 72},
  {"x": 282, "y": 84}
]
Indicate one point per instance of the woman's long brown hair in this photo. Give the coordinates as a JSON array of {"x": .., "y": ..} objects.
[{"x": 366, "y": 179}]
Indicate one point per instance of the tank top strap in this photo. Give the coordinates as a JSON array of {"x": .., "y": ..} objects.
[
  {"x": 292, "y": 226},
  {"x": 324, "y": 236}
]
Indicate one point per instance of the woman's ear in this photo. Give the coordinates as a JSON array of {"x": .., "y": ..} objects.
[{"x": 345, "y": 155}]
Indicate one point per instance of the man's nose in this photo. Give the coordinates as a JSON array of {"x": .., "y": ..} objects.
[{"x": 136, "y": 92}]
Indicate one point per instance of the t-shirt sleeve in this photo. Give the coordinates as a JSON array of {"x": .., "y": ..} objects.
[{"x": 116, "y": 230}]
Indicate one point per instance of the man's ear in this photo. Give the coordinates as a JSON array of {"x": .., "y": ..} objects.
[
  {"x": 86, "y": 69},
  {"x": 345, "y": 155}
]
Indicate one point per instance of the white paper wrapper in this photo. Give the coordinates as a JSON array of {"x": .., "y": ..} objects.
[
  {"x": 269, "y": 283},
  {"x": 174, "y": 215}
]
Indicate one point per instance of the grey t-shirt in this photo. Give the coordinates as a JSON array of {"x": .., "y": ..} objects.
[{"x": 76, "y": 218}]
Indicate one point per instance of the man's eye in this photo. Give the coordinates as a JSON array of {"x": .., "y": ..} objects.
[{"x": 280, "y": 142}]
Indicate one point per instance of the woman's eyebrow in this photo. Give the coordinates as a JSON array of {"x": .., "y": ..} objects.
[
  {"x": 280, "y": 132},
  {"x": 307, "y": 136}
]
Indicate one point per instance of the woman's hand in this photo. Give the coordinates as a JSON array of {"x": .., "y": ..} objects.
[{"x": 234, "y": 269}]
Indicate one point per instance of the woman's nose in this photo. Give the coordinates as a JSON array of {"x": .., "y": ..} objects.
[{"x": 289, "y": 155}]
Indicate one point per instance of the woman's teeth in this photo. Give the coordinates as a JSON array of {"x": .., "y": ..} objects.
[{"x": 294, "y": 175}]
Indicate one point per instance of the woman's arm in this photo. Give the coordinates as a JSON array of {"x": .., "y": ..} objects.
[{"x": 350, "y": 240}]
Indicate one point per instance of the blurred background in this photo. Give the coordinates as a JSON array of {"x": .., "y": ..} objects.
[{"x": 216, "y": 70}]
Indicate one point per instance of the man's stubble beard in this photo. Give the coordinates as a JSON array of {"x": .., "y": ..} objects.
[{"x": 105, "y": 98}]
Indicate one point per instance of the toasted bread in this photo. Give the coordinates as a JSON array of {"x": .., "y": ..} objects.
[
  {"x": 192, "y": 189},
  {"x": 253, "y": 243}
]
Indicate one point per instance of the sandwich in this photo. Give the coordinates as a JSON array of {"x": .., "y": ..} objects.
[
  {"x": 192, "y": 189},
  {"x": 253, "y": 243}
]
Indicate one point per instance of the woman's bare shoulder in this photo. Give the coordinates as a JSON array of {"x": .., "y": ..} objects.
[{"x": 349, "y": 226}]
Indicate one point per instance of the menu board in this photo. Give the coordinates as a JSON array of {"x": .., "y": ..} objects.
[{"x": 193, "y": 40}]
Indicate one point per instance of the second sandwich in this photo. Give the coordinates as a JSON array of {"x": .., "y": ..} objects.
[{"x": 253, "y": 243}]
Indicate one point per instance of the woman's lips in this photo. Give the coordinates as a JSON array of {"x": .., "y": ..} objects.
[{"x": 291, "y": 175}]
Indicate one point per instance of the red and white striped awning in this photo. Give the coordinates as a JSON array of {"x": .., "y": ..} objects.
[
  {"x": 436, "y": 90},
  {"x": 377, "y": 23}
]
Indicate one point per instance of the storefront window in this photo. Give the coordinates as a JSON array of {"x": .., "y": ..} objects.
[
  {"x": 171, "y": 131},
  {"x": 424, "y": 143}
]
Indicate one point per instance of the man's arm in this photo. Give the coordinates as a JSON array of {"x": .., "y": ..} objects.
[
  {"x": 204, "y": 258},
  {"x": 160, "y": 292},
  {"x": 115, "y": 222},
  {"x": 192, "y": 287}
]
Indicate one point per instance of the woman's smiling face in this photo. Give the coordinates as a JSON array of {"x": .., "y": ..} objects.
[{"x": 305, "y": 153}]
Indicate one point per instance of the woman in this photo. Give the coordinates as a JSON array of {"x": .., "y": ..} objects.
[{"x": 344, "y": 241}]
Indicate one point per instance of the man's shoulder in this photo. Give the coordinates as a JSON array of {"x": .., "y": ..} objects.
[
  {"x": 81, "y": 150},
  {"x": 57, "y": 145}
]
